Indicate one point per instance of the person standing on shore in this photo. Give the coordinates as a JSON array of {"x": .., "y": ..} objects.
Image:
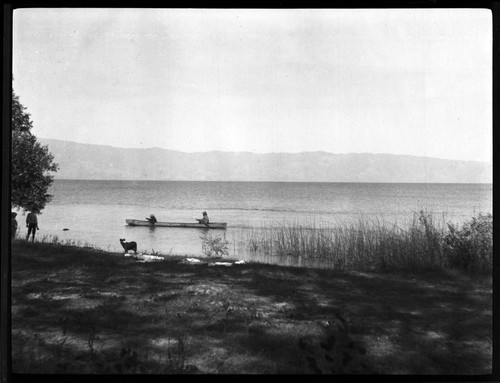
[
  {"x": 13, "y": 224},
  {"x": 32, "y": 225}
]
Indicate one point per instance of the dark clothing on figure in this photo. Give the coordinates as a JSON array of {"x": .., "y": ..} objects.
[
  {"x": 32, "y": 229},
  {"x": 152, "y": 220},
  {"x": 13, "y": 224},
  {"x": 31, "y": 218},
  {"x": 32, "y": 225}
]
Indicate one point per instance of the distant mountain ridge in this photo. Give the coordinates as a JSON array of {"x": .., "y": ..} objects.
[{"x": 102, "y": 162}]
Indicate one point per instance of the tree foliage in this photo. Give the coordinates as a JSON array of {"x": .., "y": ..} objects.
[{"x": 31, "y": 163}]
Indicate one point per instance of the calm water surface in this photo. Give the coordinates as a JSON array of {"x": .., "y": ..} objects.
[{"x": 95, "y": 211}]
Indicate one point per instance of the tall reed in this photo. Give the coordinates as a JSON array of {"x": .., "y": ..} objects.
[{"x": 423, "y": 242}]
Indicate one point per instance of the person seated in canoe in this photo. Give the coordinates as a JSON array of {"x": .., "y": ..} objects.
[
  {"x": 205, "y": 219},
  {"x": 152, "y": 219}
]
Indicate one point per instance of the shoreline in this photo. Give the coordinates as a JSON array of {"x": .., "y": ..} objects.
[
  {"x": 423, "y": 243},
  {"x": 78, "y": 310}
]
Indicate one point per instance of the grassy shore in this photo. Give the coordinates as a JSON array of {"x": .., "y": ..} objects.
[{"x": 77, "y": 310}]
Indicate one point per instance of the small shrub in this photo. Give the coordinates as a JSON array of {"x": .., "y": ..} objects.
[
  {"x": 470, "y": 247},
  {"x": 214, "y": 245}
]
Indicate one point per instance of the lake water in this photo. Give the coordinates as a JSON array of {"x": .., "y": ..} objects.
[{"x": 95, "y": 211}]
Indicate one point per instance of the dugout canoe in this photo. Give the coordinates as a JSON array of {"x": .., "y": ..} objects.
[{"x": 193, "y": 225}]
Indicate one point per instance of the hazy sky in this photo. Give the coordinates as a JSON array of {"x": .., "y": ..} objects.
[{"x": 405, "y": 81}]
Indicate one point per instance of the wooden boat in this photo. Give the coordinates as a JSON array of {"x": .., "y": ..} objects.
[{"x": 194, "y": 225}]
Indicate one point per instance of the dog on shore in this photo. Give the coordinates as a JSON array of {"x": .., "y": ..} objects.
[{"x": 128, "y": 245}]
